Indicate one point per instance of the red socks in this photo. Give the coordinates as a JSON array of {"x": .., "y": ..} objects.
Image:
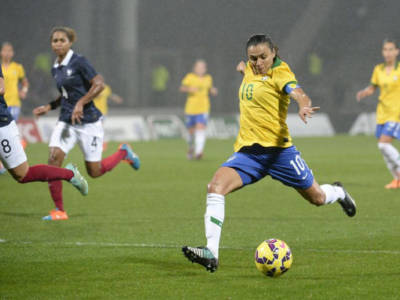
[
  {"x": 53, "y": 175},
  {"x": 55, "y": 188},
  {"x": 108, "y": 163},
  {"x": 46, "y": 173}
]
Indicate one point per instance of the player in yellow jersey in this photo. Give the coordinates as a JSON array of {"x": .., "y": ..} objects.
[
  {"x": 198, "y": 85},
  {"x": 386, "y": 77},
  {"x": 263, "y": 146},
  {"x": 101, "y": 102},
  {"x": 14, "y": 74}
]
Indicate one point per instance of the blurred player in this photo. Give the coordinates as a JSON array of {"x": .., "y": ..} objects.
[
  {"x": 101, "y": 103},
  {"x": 14, "y": 74},
  {"x": 14, "y": 158},
  {"x": 263, "y": 146},
  {"x": 386, "y": 76},
  {"x": 197, "y": 84},
  {"x": 79, "y": 120}
]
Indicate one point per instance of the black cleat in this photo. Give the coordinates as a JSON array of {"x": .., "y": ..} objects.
[
  {"x": 348, "y": 204},
  {"x": 202, "y": 256}
]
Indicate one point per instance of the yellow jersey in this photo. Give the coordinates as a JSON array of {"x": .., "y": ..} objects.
[
  {"x": 263, "y": 107},
  {"x": 197, "y": 102},
  {"x": 388, "y": 108},
  {"x": 101, "y": 100},
  {"x": 12, "y": 74}
]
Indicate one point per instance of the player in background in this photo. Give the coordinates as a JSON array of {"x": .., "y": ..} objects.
[
  {"x": 79, "y": 120},
  {"x": 13, "y": 156},
  {"x": 198, "y": 85},
  {"x": 101, "y": 103},
  {"x": 14, "y": 75},
  {"x": 386, "y": 77},
  {"x": 263, "y": 146}
]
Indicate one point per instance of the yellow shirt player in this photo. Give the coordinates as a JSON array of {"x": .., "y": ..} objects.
[
  {"x": 198, "y": 85},
  {"x": 101, "y": 100},
  {"x": 14, "y": 74},
  {"x": 263, "y": 146},
  {"x": 386, "y": 77}
]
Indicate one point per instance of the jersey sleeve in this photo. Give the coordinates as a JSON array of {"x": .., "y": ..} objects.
[
  {"x": 21, "y": 72},
  {"x": 187, "y": 80},
  {"x": 374, "y": 77},
  {"x": 86, "y": 69},
  {"x": 283, "y": 76}
]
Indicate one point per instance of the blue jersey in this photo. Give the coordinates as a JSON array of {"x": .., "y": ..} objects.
[
  {"x": 5, "y": 117},
  {"x": 73, "y": 77}
]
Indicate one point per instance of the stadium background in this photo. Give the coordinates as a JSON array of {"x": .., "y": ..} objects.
[{"x": 144, "y": 48}]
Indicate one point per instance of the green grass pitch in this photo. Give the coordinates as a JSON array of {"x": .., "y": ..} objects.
[{"x": 123, "y": 240}]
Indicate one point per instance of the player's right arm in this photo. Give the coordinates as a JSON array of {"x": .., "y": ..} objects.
[
  {"x": 241, "y": 67},
  {"x": 44, "y": 109},
  {"x": 186, "y": 85},
  {"x": 368, "y": 91},
  {"x": 1, "y": 86}
]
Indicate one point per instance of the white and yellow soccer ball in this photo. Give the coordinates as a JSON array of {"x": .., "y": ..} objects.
[{"x": 273, "y": 257}]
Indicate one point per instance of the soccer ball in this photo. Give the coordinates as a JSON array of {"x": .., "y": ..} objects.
[{"x": 273, "y": 257}]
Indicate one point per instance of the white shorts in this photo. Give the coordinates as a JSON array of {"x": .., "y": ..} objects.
[
  {"x": 89, "y": 136},
  {"x": 12, "y": 153}
]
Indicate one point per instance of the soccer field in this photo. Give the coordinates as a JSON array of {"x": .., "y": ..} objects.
[{"x": 123, "y": 240}]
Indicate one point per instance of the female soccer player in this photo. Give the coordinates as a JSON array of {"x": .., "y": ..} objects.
[
  {"x": 197, "y": 84},
  {"x": 14, "y": 74},
  {"x": 263, "y": 146},
  {"x": 79, "y": 120},
  {"x": 386, "y": 76},
  {"x": 13, "y": 156}
]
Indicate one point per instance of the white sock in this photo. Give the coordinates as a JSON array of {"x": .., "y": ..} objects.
[
  {"x": 213, "y": 220},
  {"x": 390, "y": 153},
  {"x": 392, "y": 167},
  {"x": 332, "y": 193},
  {"x": 200, "y": 140}
]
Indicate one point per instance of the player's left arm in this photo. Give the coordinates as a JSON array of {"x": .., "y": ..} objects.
[
  {"x": 306, "y": 110},
  {"x": 97, "y": 85},
  {"x": 116, "y": 98}
]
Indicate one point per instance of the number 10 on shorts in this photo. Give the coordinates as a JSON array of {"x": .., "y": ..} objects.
[{"x": 298, "y": 165}]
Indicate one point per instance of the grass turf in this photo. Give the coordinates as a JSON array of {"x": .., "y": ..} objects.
[{"x": 123, "y": 240}]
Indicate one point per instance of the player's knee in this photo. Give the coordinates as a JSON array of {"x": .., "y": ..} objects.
[
  {"x": 94, "y": 173},
  {"x": 215, "y": 187}
]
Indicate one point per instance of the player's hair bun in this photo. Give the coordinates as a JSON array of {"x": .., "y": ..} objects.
[{"x": 71, "y": 34}]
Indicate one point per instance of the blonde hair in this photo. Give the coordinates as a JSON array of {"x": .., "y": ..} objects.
[{"x": 70, "y": 33}]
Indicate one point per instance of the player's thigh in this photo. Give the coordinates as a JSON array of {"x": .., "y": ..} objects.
[
  {"x": 224, "y": 181},
  {"x": 201, "y": 121},
  {"x": 12, "y": 153},
  {"x": 385, "y": 139},
  {"x": 290, "y": 168},
  {"x": 63, "y": 138},
  {"x": 90, "y": 139}
]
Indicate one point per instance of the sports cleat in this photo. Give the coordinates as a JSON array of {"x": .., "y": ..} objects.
[
  {"x": 348, "y": 204},
  {"x": 394, "y": 184},
  {"x": 202, "y": 256},
  {"x": 56, "y": 215},
  {"x": 2, "y": 170},
  {"x": 131, "y": 157},
  {"x": 78, "y": 180}
]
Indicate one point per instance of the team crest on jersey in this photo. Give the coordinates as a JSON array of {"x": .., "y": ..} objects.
[
  {"x": 395, "y": 78},
  {"x": 265, "y": 78},
  {"x": 69, "y": 72}
]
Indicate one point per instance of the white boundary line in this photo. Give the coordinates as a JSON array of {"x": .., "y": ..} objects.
[{"x": 165, "y": 246}]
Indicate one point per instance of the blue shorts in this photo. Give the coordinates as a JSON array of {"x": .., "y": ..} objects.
[
  {"x": 391, "y": 129},
  {"x": 283, "y": 164},
  {"x": 14, "y": 112},
  {"x": 192, "y": 120}
]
